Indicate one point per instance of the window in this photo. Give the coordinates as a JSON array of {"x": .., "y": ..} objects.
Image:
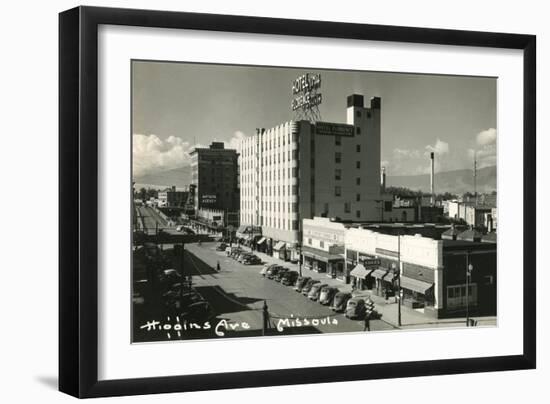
[
  {"x": 337, "y": 191},
  {"x": 358, "y": 181},
  {"x": 347, "y": 207},
  {"x": 358, "y": 213},
  {"x": 357, "y": 164},
  {"x": 388, "y": 206},
  {"x": 338, "y": 157},
  {"x": 358, "y": 130},
  {"x": 294, "y": 225},
  {"x": 358, "y": 197},
  {"x": 337, "y": 140},
  {"x": 358, "y": 148},
  {"x": 309, "y": 241},
  {"x": 338, "y": 174},
  {"x": 294, "y": 190},
  {"x": 322, "y": 244},
  {"x": 358, "y": 114}
]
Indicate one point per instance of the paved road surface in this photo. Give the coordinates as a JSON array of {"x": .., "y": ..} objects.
[{"x": 238, "y": 293}]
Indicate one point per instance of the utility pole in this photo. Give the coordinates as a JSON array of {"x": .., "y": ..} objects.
[
  {"x": 399, "y": 279},
  {"x": 265, "y": 316},
  {"x": 475, "y": 177},
  {"x": 469, "y": 269}
]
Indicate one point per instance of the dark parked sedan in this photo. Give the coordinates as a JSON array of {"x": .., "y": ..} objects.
[
  {"x": 301, "y": 282},
  {"x": 315, "y": 291},
  {"x": 290, "y": 278},
  {"x": 327, "y": 295},
  {"x": 340, "y": 301},
  {"x": 356, "y": 308},
  {"x": 271, "y": 272},
  {"x": 307, "y": 287},
  {"x": 279, "y": 276}
]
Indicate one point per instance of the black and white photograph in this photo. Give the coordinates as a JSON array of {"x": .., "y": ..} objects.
[{"x": 276, "y": 201}]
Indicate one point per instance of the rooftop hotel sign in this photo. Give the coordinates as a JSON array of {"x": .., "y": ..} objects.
[{"x": 307, "y": 98}]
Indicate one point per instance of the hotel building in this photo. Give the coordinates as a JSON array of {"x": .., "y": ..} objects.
[{"x": 298, "y": 170}]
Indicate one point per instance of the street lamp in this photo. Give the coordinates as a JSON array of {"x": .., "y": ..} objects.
[{"x": 469, "y": 269}]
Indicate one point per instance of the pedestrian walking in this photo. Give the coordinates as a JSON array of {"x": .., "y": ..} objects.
[{"x": 367, "y": 322}]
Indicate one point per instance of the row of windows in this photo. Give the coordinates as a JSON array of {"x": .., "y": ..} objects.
[{"x": 281, "y": 207}]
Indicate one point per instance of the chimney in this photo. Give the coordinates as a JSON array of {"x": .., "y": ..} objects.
[
  {"x": 383, "y": 180},
  {"x": 432, "y": 187}
]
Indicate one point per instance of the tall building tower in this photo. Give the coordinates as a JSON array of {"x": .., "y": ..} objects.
[
  {"x": 299, "y": 170},
  {"x": 215, "y": 175}
]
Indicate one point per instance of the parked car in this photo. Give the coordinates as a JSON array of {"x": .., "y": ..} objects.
[
  {"x": 301, "y": 282},
  {"x": 289, "y": 278},
  {"x": 177, "y": 301},
  {"x": 179, "y": 228},
  {"x": 307, "y": 287},
  {"x": 198, "y": 312},
  {"x": 356, "y": 308},
  {"x": 252, "y": 260},
  {"x": 279, "y": 276},
  {"x": 243, "y": 256},
  {"x": 271, "y": 272},
  {"x": 315, "y": 291},
  {"x": 340, "y": 301},
  {"x": 221, "y": 247},
  {"x": 327, "y": 295},
  {"x": 266, "y": 267}
]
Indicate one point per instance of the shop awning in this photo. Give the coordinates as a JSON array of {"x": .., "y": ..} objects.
[
  {"x": 242, "y": 229},
  {"x": 389, "y": 276},
  {"x": 360, "y": 271},
  {"x": 415, "y": 285},
  {"x": 261, "y": 241},
  {"x": 280, "y": 245},
  {"x": 320, "y": 255},
  {"x": 379, "y": 273}
]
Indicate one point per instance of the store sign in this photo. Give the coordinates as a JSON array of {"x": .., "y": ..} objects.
[
  {"x": 372, "y": 263},
  {"x": 305, "y": 91},
  {"x": 208, "y": 199},
  {"x": 334, "y": 129}
]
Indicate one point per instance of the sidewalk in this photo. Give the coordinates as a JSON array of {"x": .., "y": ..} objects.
[{"x": 410, "y": 318}]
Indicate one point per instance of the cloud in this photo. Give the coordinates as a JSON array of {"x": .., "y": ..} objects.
[
  {"x": 235, "y": 141},
  {"x": 486, "y": 152},
  {"x": 440, "y": 147},
  {"x": 152, "y": 154},
  {"x": 487, "y": 137}
]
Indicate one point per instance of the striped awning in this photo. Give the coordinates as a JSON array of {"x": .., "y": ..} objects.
[
  {"x": 379, "y": 273},
  {"x": 360, "y": 271},
  {"x": 279, "y": 246},
  {"x": 415, "y": 285}
]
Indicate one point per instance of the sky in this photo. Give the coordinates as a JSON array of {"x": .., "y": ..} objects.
[{"x": 176, "y": 106}]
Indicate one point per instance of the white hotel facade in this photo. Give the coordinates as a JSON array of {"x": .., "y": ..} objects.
[{"x": 298, "y": 170}]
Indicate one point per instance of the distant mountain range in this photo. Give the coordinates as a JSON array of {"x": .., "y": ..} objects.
[
  {"x": 180, "y": 177},
  {"x": 456, "y": 182}
]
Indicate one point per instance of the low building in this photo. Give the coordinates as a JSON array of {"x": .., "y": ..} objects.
[
  {"x": 431, "y": 273},
  {"x": 171, "y": 197},
  {"x": 323, "y": 246},
  {"x": 217, "y": 219}
]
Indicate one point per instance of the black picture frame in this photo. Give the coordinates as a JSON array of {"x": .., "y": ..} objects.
[{"x": 78, "y": 195}]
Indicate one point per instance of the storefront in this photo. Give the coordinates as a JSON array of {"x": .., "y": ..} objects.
[
  {"x": 324, "y": 262},
  {"x": 279, "y": 250},
  {"x": 359, "y": 276},
  {"x": 417, "y": 294},
  {"x": 383, "y": 282},
  {"x": 261, "y": 245}
]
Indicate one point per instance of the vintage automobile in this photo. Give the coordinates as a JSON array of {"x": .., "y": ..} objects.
[
  {"x": 265, "y": 268},
  {"x": 307, "y": 287},
  {"x": 356, "y": 308},
  {"x": 340, "y": 301},
  {"x": 327, "y": 295},
  {"x": 282, "y": 272},
  {"x": 289, "y": 278},
  {"x": 316, "y": 291},
  {"x": 301, "y": 282},
  {"x": 252, "y": 260}
]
